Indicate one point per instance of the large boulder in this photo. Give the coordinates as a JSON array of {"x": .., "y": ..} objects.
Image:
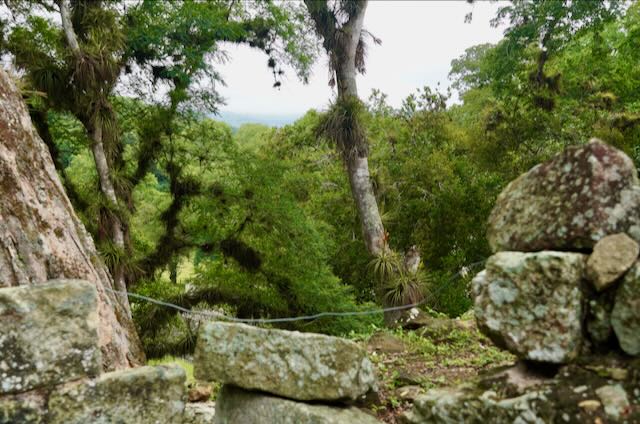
[
  {"x": 48, "y": 335},
  {"x": 625, "y": 317},
  {"x": 612, "y": 256},
  {"x": 569, "y": 202},
  {"x": 303, "y": 366},
  {"x": 42, "y": 238},
  {"x": 145, "y": 395},
  {"x": 531, "y": 304},
  {"x": 235, "y": 406}
]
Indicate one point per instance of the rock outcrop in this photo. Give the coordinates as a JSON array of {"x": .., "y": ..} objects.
[
  {"x": 41, "y": 238},
  {"x": 302, "y": 366},
  {"x": 568, "y": 203}
]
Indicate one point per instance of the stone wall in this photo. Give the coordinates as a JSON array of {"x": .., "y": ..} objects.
[
  {"x": 50, "y": 370},
  {"x": 562, "y": 293},
  {"x": 50, "y": 364}
]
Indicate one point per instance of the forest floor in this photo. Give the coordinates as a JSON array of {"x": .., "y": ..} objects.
[
  {"x": 427, "y": 353},
  {"x": 437, "y": 352}
]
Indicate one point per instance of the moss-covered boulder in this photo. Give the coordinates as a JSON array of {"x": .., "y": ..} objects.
[
  {"x": 145, "y": 395},
  {"x": 48, "y": 335},
  {"x": 569, "y": 202},
  {"x": 302, "y": 366},
  {"x": 235, "y": 406},
  {"x": 625, "y": 317},
  {"x": 531, "y": 304}
]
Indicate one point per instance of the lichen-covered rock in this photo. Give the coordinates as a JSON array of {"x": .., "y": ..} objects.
[
  {"x": 48, "y": 335},
  {"x": 531, "y": 304},
  {"x": 199, "y": 413},
  {"x": 572, "y": 396},
  {"x": 453, "y": 406},
  {"x": 235, "y": 406},
  {"x": 625, "y": 317},
  {"x": 612, "y": 256},
  {"x": 23, "y": 408},
  {"x": 145, "y": 395},
  {"x": 303, "y": 366},
  {"x": 569, "y": 202}
]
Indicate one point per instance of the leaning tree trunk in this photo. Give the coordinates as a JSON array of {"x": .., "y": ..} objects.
[
  {"x": 358, "y": 164},
  {"x": 41, "y": 238}
]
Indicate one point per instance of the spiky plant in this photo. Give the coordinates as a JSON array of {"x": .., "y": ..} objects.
[
  {"x": 385, "y": 266},
  {"x": 405, "y": 289},
  {"x": 342, "y": 125}
]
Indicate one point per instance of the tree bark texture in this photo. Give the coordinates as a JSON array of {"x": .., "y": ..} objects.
[{"x": 41, "y": 238}]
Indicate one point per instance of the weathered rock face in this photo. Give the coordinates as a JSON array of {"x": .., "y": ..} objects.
[
  {"x": 145, "y": 395},
  {"x": 569, "y": 202},
  {"x": 302, "y": 366},
  {"x": 576, "y": 395},
  {"x": 625, "y": 317},
  {"x": 38, "y": 351},
  {"x": 41, "y": 238},
  {"x": 235, "y": 406},
  {"x": 612, "y": 256},
  {"x": 531, "y": 304}
]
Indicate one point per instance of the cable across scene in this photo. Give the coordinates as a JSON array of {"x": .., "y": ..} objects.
[{"x": 221, "y": 316}]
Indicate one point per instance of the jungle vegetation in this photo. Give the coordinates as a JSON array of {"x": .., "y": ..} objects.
[{"x": 274, "y": 222}]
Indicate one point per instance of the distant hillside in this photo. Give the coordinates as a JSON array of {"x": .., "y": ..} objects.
[{"x": 237, "y": 119}]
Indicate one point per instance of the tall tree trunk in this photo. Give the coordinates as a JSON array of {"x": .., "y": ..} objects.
[
  {"x": 41, "y": 238},
  {"x": 95, "y": 131},
  {"x": 358, "y": 165},
  {"x": 106, "y": 186}
]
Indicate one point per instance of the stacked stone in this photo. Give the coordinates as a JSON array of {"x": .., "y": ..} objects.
[
  {"x": 562, "y": 288},
  {"x": 565, "y": 279},
  {"x": 50, "y": 364},
  {"x": 277, "y": 376}
]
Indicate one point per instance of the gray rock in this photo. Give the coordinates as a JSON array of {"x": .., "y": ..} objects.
[
  {"x": 625, "y": 317},
  {"x": 145, "y": 395},
  {"x": 612, "y": 256},
  {"x": 25, "y": 408},
  {"x": 569, "y": 202},
  {"x": 295, "y": 365},
  {"x": 199, "y": 413},
  {"x": 614, "y": 398},
  {"x": 49, "y": 335},
  {"x": 454, "y": 406},
  {"x": 236, "y": 406},
  {"x": 531, "y": 304}
]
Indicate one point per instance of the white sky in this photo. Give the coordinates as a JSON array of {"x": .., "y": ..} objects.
[{"x": 419, "y": 40}]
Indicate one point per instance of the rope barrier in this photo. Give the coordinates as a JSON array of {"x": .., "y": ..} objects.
[{"x": 221, "y": 316}]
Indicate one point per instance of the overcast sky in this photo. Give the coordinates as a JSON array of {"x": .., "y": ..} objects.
[{"x": 419, "y": 40}]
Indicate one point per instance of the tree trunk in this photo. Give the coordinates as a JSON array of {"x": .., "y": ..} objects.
[
  {"x": 358, "y": 165},
  {"x": 41, "y": 238},
  {"x": 106, "y": 186}
]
